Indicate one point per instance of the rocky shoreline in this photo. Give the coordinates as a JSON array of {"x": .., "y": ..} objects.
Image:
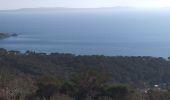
[{"x": 7, "y": 35}]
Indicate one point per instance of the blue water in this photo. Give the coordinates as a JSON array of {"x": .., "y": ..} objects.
[{"x": 127, "y": 33}]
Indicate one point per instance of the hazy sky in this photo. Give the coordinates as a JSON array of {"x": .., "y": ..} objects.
[{"x": 15, "y": 4}]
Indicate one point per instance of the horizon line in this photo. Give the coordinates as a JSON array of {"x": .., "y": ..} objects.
[
  {"x": 128, "y": 7},
  {"x": 68, "y": 7}
]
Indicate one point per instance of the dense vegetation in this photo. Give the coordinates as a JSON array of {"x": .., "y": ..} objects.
[{"x": 56, "y": 76}]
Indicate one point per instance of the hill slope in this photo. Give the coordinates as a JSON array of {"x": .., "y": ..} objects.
[{"x": 131, "y": 70}]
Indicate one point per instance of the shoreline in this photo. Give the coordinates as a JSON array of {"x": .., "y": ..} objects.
[{"x": 26, "y": 52}]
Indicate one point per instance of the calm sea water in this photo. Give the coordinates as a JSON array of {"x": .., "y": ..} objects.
[{"x": 127, "y": 33}]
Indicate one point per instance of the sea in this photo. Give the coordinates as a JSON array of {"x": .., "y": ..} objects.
[{"x": 109, "y": 33}]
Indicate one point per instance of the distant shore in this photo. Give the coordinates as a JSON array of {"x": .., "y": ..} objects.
[{"x": 7, "y": 35}]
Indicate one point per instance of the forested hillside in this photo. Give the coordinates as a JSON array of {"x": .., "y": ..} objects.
[
  {"x": 33, "y": 73},
  {"x": 122, "y": 69}
]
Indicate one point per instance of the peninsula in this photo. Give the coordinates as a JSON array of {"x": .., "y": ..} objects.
[{"x": 7, "y": 35}]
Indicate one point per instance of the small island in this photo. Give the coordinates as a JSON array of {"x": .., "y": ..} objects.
[{"x": 7, "y": 35}]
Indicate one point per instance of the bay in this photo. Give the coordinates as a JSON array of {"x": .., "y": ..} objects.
[{"x": 126, "y": 33}]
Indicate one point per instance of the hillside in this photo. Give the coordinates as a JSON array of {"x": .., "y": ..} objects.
[{"x": 130, "y": 70}]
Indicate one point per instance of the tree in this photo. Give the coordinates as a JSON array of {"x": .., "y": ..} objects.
[
  {"x": 117, "y": 92},
  {"x": 88, "y": 82},
  {"x": 47, "y": 87}
]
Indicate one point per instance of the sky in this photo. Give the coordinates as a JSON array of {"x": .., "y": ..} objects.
[{"x": 17, "y": 4}]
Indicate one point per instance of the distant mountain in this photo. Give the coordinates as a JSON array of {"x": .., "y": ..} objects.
[
  {"x": 116, "y": 8},
  {"x": 70, "y": 9}
]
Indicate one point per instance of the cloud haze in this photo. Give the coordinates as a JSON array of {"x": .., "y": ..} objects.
[{"x": 15, "y": 4}]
